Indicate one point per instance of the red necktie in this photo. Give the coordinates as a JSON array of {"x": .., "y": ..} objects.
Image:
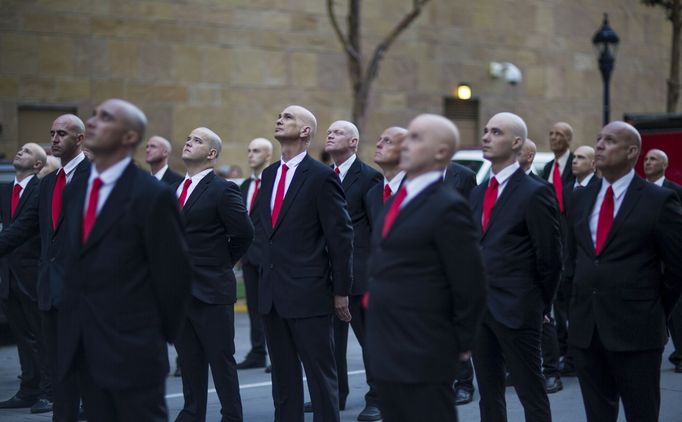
[
  {"x": 255, "y": 192},
  {"x": 183, "y": 194},
  {"x": 15, "y": 198},
  {"x": 57, "y": 197},
  {"x": 392, "y": 213},
  {"x": 489, "y": 202},
  {"x": 279, "y": 195},
  {"x": 387, "y": 192},
  {"x": 558, "y": 187},
  {"x": 91, "y": 211},
  {"x": 605, "y": 220},
  {"x": 337, "y": 170}
]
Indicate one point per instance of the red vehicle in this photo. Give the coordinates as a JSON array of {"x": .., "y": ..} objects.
[{"x": 664, "y": 132}]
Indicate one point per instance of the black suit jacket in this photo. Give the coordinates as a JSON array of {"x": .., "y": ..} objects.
[
  {"x": 375, "y": 202},
  {"x": 254, "y": 255},
  {"x": 308, "y": 254},
  {"x": 628, "y": 290},
  {"x": 22, "y": 262},
  {"x": 567, "y": 176},
  {"x": 426, "y": 289},
  {"x": 171, "y": 178},
  {"x": 460, "y": 178},
  {"x": 674, "y": 187},
  {"x": 36, "y": 218},
  {"x": 358, "y": 181},
  {"x": 521, "y": 250},
  {"x": 218, "y": 232},
  {"x": 126, "y": 288}
]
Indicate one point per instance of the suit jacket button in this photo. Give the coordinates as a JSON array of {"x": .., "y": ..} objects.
[
  {"x": 272, "y": 266},
  {"x": 595, "y": 291}
]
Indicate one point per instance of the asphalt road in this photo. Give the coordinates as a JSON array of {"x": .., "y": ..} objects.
[{"x": 257, "y": 400}]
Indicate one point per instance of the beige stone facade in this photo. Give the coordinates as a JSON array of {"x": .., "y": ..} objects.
[{"x": 232, "y": 65}]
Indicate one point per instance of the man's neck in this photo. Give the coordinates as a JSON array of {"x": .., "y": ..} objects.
[
  {"x": 66, "y": 159},
  {"x": 613, "y": 175},
  {"x": 103, "y": 162},
  {"x": 503, "y": 164},
  {"x": 195, "y": 168},
  {"x": 390, "y": 171},
  {"x": 290, "y": 149},
  {"x": 414, "y": 174},
  {"x": 155, "y": 167},
  {"x": 22, "y": 174},
  {"x": 654, "y": 177},
  {"x": 341, "y": 156},
  {"x": 258, "y": 170},
  {"x": 558, "y": 155},
  {"x": 580, "y": 178}
]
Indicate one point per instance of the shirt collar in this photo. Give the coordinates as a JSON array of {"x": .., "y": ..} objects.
[
  {"x": 24, "y": 182},
  {"x": 619, "y": 186},
  {"x": 295, "y": 161},
  {"x": 563, "y": 159},
  {"x": 419, "y": 183},
  {"x": 199, "y": 176},
  {"x": 112, "y": 174},
  {"x": 394, "y": 183},
  {"x": 529, "y": 171},
  {"x": 506, "y": 172},
  {"x": 660, "y": 181},
  {"x": 255, "y": 176},
  {"x": 585, "y": 181},
  {"x": 71, "y": 165},
  {"x": 343, "y": 167},
  {"x": 159, "y": 174}
]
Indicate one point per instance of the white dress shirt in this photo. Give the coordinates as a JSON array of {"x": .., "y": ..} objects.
[
  {"x": 660, "y": 181},
  {"x": 292, "y": 165},
  {"x": 23, "y": 183},
  {"x": 394, "y": 183},
  {"x": 563, "y": 160},
  {"x": 159, "y": 174},
  {"x": 70, "y": 167},
  {"x": 195, "y": 181},
  {"x": 415, "y": 186},
  {"x": 109, "y": 178},
  {"x": 585, "y": 181},
  {"x": 252, "y": 189},
  {"x": 343, "y": 167},
  {"x": 503, "y": 176},
  {"x": 620, "y": 186}
]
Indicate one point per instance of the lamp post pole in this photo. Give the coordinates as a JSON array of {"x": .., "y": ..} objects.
[{"x": 605, "y": 41}]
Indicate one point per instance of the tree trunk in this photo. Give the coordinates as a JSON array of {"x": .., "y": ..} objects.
[{"x": 674, "y": 79}]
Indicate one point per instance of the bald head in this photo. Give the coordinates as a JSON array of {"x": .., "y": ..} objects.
[
  {"x": 430, "y": 144},
  {"x": 527, "y": 154},
  {"x": 617, "y": 150},
  {"x": 157, "y": 151},
  {"x": 503, "y": 137},
  {"x": 134, "y": 118},
  {"x": 30, "y": 159},
  {"x": 71, "y": 122},
  {"x": 342, "y": 140},
  {"x": 655, "y": 164},
  {"x": 259, "y": 154},
  {"x": 583, "y": 162},
  {"x": 560, "y": 136},
  {"x": 66, "y": 136},
  {"x": 295, "y": 123},
  {"x": 114, "y": 130},
  {"x": 387, "y": 153}
]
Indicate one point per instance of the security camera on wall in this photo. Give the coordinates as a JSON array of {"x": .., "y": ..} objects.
[{"x": 508, "y": 71}]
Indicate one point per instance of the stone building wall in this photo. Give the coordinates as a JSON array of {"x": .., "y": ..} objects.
[{"x": 232, "y": 65}]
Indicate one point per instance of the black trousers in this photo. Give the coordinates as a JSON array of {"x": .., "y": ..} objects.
[
  {"x": 675, "y": 329},
  {"x": 102, "y": 405},
  {"x": 606, "y": 376},
  {"x": 550, "y": 349},
  {"x": 257, "y": 334},
  {"x": 23, "y": 319},
  {"x": 310, "y": 341},
  {"x": 519, "y": 349},
  {"x": 207, "y": 340},
  {"x": 357, "y": 322},
  {"x": 465, "y": 376},
  {"x": 66, "y": 392},
  {"x": 400, "y": 402},
  {"x": 563, "y": 298}
]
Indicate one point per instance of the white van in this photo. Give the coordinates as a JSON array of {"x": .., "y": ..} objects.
[{"x": 473, "y": 159}]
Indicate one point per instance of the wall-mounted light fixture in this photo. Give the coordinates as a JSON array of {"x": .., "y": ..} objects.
[{"x": 463, "y": 91}]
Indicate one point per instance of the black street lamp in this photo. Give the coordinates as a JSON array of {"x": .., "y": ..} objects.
[{"x": 606, "y": 43}]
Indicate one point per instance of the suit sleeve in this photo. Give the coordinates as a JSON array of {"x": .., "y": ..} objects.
[
  {"x": 24, "y": 227},
  {"x": 236, "y": 221},
  {"x": 170, "y": 268},
  {"x": 338, "y": 232},
  {"x": 542, "y": 221},
  {"x": 669, "y": 242},
  {"x": 457, "y": 245}
]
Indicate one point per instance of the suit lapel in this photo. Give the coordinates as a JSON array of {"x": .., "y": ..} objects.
[
  {"x": 583, "y": 224},
  {"x": 116, "y": 204},
  {"x": 513, "y": 183},
  {"x": 632, "y": 195},
  {"x": 352, "y": 175},
  {"x": 197, "y": 192},
  {"x": 25, "y": 195},
  {"x": 80, "y": 176},
  {"x": 411, "y": 206},
  {"x": 296, "y": 183}
]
